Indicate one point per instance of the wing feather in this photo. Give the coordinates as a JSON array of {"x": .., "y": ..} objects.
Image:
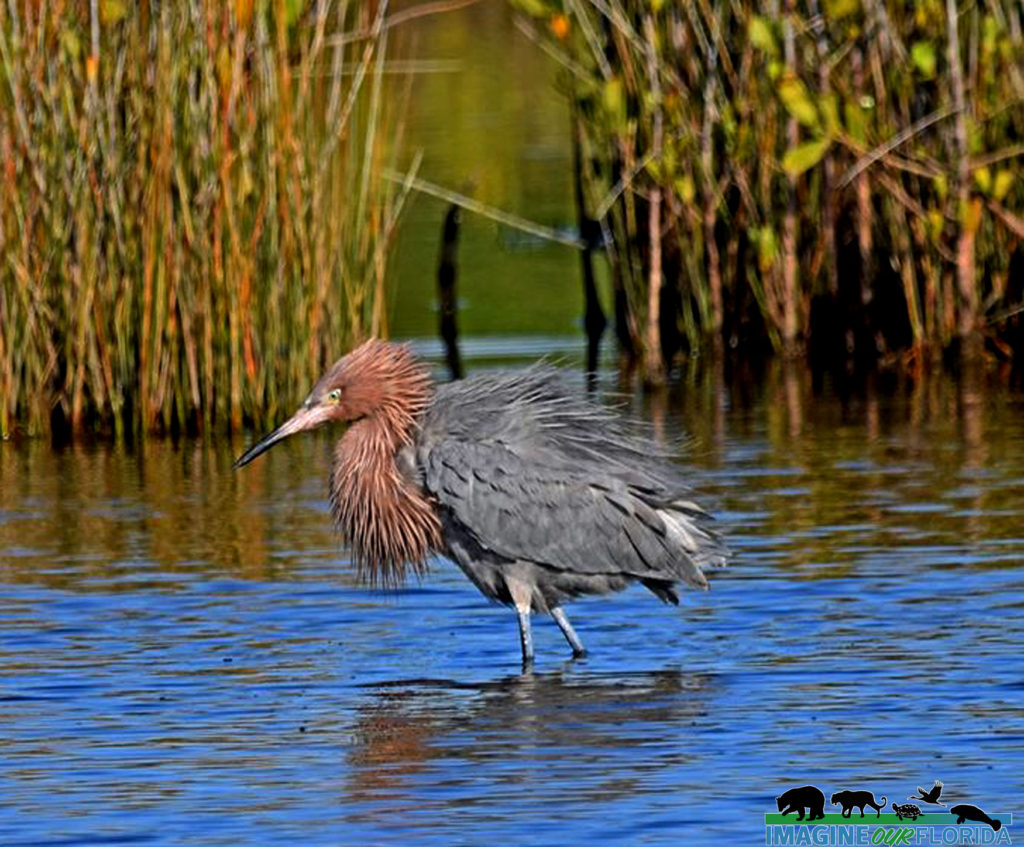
[
  {"x": 536, "y": 472},
  {"x": 546, "y": 513}
]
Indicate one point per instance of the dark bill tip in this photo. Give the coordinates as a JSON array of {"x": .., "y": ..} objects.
[
  {"x": 302, "y": 420},
  {"x": 260, "y": 447}
]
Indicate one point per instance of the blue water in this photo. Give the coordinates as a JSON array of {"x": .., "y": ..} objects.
[{"x": 185, "y": 657}]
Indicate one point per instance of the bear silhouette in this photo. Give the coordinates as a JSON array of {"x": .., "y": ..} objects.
[{"x": 805, "y": 797}]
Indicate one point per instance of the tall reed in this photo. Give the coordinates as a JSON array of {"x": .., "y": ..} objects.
[
  {"x": 777, "y": 162},
  {"x": 193, "y": 217}
]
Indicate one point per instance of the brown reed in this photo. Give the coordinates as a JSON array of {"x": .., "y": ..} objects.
[{"x": 193, "y": 217}]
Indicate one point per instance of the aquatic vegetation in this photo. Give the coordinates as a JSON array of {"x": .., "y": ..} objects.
[
  {"x": 842, "y": 175},
  {"x": 193, "y": 216}
]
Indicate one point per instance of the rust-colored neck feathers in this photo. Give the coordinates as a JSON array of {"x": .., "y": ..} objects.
[{"x": 390, "y": 522}]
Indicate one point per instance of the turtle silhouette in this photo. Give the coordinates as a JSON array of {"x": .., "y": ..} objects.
[{"x": 907, "y": 810}]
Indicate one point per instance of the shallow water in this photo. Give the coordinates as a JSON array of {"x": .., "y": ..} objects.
[{"x": 186, "y": 658}]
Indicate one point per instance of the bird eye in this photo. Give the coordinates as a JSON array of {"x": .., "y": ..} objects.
[{"x": 334, "y": 396}]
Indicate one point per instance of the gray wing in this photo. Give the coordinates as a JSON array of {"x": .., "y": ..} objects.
[{"x": 537, "y": 475}]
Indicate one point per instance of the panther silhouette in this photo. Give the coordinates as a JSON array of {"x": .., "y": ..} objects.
[{"x": 850, "y": 799}]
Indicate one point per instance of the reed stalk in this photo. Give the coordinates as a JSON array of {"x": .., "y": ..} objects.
[
  {"x": 194, "y": 212},
  {"x": 846, "y": 150}
]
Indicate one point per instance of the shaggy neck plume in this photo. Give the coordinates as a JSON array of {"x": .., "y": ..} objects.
[{"x": 391, "y": 524}]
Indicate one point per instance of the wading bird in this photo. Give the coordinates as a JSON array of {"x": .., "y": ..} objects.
[
  {"x": 931, "y": 795},
  {"x": 538, "y": 495}
]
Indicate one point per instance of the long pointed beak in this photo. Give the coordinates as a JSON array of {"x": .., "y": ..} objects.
[{"x": 301, "y": 421}]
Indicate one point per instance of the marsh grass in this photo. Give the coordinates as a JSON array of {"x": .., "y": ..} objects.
[
  {"x": 767, "y": 158},
  {"x": 193, "y": 217}
]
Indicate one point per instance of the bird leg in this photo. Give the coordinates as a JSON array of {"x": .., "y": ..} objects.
[
  {"x": 521, "y": 592},
  {"x": 525, "y": 637},
  {"x": 578, "y": 649}
]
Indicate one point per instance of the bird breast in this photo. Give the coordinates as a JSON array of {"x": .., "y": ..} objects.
[{"x": 390, "y": 523}]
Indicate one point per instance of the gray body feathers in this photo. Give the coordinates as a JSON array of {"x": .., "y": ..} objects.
[{"x": 540, "y": 488}]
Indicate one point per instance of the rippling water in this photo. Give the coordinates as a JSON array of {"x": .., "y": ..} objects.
[{"x": 185, "y": 657}]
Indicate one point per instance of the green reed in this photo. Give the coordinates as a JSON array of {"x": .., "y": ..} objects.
[
  {"x": 193, "y": 213},
  {"x": 757, "y": 155}
]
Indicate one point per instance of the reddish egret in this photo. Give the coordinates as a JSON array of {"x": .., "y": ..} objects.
[{"x": 538, "y": 495}]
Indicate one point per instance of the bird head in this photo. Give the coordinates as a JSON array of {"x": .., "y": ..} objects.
[{"x": 377, "y": 379}]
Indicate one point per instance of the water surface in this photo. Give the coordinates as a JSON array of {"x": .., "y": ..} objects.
[{"x": 185, "y": 656}]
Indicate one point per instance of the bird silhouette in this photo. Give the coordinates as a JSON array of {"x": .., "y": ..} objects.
[
  {"x": 930, "y": 796},
  {"x": 538, "y": 494}
]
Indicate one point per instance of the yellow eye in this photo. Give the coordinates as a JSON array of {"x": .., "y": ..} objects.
[{"x": 334, "y": 396}]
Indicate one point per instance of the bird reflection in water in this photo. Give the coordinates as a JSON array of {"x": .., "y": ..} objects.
[{"x": 411, "y": 727}]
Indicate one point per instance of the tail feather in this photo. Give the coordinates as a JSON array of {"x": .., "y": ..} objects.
[
  {"x": 662, "y": 589},
  {"x": 701, "y": 545}
]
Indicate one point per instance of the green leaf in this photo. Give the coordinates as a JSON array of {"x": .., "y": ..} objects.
[
  {"x": 922, "y": 54},
  {"x": 975, "y": 138},
  {"x": 855, "y": 124},
  {"x": 804, "y": 156},
  {"x": 685, "y": 189},
  {"x": 970, "y": 215},
  {"x": 112, "y": 11},
  {"x": 293, "y": 10},
  {"x": 991, "y": 31},
  {"x": 797, "y": 100},
  {"x": 615, "y": 102},
  {"x": 839, "y": 9},
  {"x": 830, "y": 112},
  {"x": 983, "y": 179},
  {"x": 767, "y": 247},
  {"x": 1002, "y": 184},
  {"x": 759, "y": 32},
  {"x": 69, "y": 38},
  {"x": 669, "y": 162},
  {"x": 534, "y": 8}
]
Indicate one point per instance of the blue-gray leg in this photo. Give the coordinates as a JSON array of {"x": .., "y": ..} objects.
[
  {"x": 525, "y": 637},
  {"x": 569, "y": 633}
]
